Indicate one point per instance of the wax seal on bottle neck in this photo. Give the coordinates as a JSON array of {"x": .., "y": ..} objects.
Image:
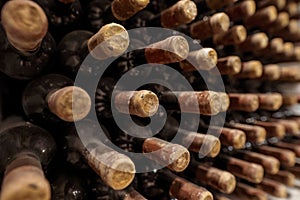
[{"x": 25, "y": 24}]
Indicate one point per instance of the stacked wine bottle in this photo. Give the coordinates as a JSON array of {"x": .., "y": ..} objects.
[{"x": 150, "y": 99}]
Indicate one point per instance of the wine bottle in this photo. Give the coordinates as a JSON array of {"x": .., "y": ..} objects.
[
  {"x": 254, "y": 42},
  {"x": 63, "y": 15},
  {"x": 27, "y": 149},
  {"x": 180, "y": 188},
  {"x": 209, "y": 102},
  {"x": 229, "y": 137},
  {"x": 128, "y": 194},
  {"x": 229, "y": 65},
  {"x": 286, "y": 157},
  {"x": 111, "y": 40},
  {"x": 271, "y": 72},
  {"x": 245, "y": 170},
  {"x": 250, "y": 70},
  {"x": 274, "y": 188},
  {"x": 270, "y": 164},
  {"x": 206, "y": 175},
  {"x": 142, "y": 103},
  {"x": 101, "y": 12},
  {"x": 243, "y": 102},
  {"x": 262, "y": 17},
  {"x": 292, "y": 147},
  {"x": 247, "y": 192},
  {"x": 204, "y": 144},
  {"x": 115, "y": 169},
  {"x": 208, "y": 26},
  {"x": 254, "y": 134},
  {"x": 26, "y": 48},
  {"x": 241, "y": 10},
  {"x": 205, "y": 6},
  {"x": 280, "y": 4},
  {"x": 285, "y": 177},
  {"x": 235, "y": 35},
  {"x": 273, "y": 129},
  {"x": 53, "y": 99},
  {"x": 274, "y": 47},
  {"x": 280, "y": 23}
]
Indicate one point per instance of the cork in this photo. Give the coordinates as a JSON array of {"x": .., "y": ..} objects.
[
  {"x": 291, "y": 8},
  {"x": 249, "y": 192},
  {"x": 183, "y": 12},
  {"x": 124, "y": 9},
  {"x": 243, "y": 102},
  {"x": 291, "y": 126},
  {"x": 274, "y": 188},
  {"x": 273, "y": 129},
  {"x": 143, "y": 103},
  {"x": 202, "y": 59},
  {"x": 286, "y": 157},
  {"x": 216, "y": 4},
  {"x": 251, "y": 69},
  {"x": 25, "y": 182},
  {"x": 171, "y": 50},
  {"x": 115, "y": 169},
  {"x": 182, "y": 189},
  {"x": 255, "y": 134},
  {"x": 25, "y": 24},
  {"x": 271, "y": 72},
  {"x": 294, "y": 170},
  {"x": 296, "y": 54},
  {"x": 208, "y": 102},
  {"x": 208, "y": 26},
  {"x": 235, "y": 35},
  {"x": 270, "y": 101},
  {"x": 276, "y": 45},
  {"x": 69, "y": 103},
  {"x": 66, "y": 1},
  {"x": 251, "y": 172},
  {"x": 270, "y": 164},
  {"x": 290, "y": 146},
  {"x": 262, "y": 17},
  {"x": 220, "y": 180},
  {"x": 174, "y": 156},
  {"x": 204, "y": 144},
  {"x": 284, "y": 177},
  {"x": 230, "y": 137},
  {"x": 288, "y": 49},
  {"x": 254, "y": 42},
  {"x": 289, "y": 99},
  {"x": 229, "y": 65},
  {"x": 280, "y": 4},
  {"x": 289, "y": 73},
  {"x": 111, "y": 40},
  {"x": 281, "y": 22},
  {"x": 224, "y": 101},
  {"x": 241, "y": 10}
]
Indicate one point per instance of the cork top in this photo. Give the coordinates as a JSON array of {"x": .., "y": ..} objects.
[
  {"x": 69, "y": 103},
  {"x": 26, "y": 182},
  {"x": 188, "y": 9},
  {"x": 255, "y": 42},
  {"x": 276, "y": 45},
  {"x": 145, "y": 103},
  {"x": 235, "y": 63},
  {"x": 219, "y": 22},
  {"x": 270, "y": 101},
  {"x": 111, "y": 40},
  {"x": 241, "y": 10},
  {"x": 124, "y": 9},
  {"x": 25, "y": 24},
  {"x": 224, "y": 100},
  {"x": 271, "y": 72},
  {"x": 251, "y": 69},
  {"x": 235, "y": 35}
]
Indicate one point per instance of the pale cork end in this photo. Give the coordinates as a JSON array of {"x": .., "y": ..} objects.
[
  {"x": 124, "y": 9},
  {"x": 219, "y": 22},
  {"x": 203, "y": 59},
  {"x": 235, "y": 35},
  {"x": 224, "y": 100},
  {"x": 215, "y": 147},
  {"x": 271, "y": 72},
  {"x": 255, "y": 173},
  {"x": 25, "y": 182},
  {"x": 183, "y": 12},
  {"x": 181, "y": 159},
  {"x": 251, "y": 69},
  {"x": 69, "y": 103},
  {"x": 143, "y": 103},
  {"x": 111, "y": 40},
  {"x": 255, "y": 42},
  {"x": 238, "y": 139},
  {"x": 25, "y": 24},
  {"x": 227, "y": 182},
  {"x": 173, "y": 49},
  {"x": 270, "y": 101},
  {"x": 120, "y": 174}
]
